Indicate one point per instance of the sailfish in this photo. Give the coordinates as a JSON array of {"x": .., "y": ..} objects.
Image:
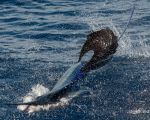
[{"x": 104, "y": 43}]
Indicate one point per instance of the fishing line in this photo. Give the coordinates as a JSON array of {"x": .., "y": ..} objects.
[{"x": 126, "y": 26}]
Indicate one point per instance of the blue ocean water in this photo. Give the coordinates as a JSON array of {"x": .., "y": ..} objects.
[{"x": 41, "y": 39}]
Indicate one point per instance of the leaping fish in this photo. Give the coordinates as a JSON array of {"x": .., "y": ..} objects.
[{"x": 104, "y": 43}]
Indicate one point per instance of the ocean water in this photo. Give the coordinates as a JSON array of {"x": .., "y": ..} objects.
[{"x": 41, "y": 39}]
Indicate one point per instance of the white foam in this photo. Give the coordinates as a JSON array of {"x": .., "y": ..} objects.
[
  {"x": 138, "y": 111},
  {"x": 39, "y": 90},
  {"x": 36, "y": 91}
]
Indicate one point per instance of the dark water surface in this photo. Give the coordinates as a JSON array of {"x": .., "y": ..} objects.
[{"x": 41, "y": 39}]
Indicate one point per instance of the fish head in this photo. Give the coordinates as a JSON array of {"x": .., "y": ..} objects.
[{"x": 103, "y": 42}]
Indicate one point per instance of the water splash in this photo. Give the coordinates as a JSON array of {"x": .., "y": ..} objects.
[
  {"x": 130, "y": 45},
  {"x": 39, "y": 90}
]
